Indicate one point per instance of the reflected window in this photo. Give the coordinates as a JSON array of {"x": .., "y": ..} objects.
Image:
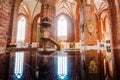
[
  {"x": 62, "y": 26},
  {"x": 62, "y": 67},
  {"x": 21, "y": 29},
  {"x": 19, "y": 57}
]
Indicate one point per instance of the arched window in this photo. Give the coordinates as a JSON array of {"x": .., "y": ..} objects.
[
  {"x": 21, "y": 29},
  {"x": 62, "y": 27}
]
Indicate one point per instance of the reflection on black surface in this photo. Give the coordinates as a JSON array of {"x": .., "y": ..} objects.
[
  {"x": 19, "y": 58},
  {"x": 62, "y": 66},
  {"x": 59, "y": 65},
  {"x": 44, "y": 68}
]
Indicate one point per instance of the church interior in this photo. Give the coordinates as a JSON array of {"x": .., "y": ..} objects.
[{"x": 59, "y": 39}]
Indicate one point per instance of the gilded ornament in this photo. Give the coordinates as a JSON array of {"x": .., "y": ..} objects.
[{"x": 90, "y": 26}]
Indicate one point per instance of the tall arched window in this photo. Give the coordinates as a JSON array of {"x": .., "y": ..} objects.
[
  {"x": 21, "y": 29},
  {"x": 62, "y": 27}
]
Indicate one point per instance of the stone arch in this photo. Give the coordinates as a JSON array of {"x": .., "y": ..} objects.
[
  {"x": 14, "y": 15},
  {"x": 34, "y": 28}
]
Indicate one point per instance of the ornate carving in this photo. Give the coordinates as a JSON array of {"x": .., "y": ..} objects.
[{"x": 90, "y": 26}]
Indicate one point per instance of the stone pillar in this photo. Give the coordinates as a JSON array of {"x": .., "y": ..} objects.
[
  {"x": 89, "y": 24},
  {"x": 114, "y": 9}
]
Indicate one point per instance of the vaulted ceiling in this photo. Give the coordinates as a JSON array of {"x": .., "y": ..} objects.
[
  {"x": 33, "y": 7},
  {"x": 66, "y": 6},
  {"x": 30, "y": 7}
]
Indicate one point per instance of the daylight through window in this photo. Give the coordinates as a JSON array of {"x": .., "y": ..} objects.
[
  {"x": 21, "y": 29},
  {"x": 62, "y": 26}
]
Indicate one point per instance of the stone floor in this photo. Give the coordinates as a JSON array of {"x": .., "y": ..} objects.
[{"x": 58, "y": 65}]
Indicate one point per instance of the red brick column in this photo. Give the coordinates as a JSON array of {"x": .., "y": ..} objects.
[
  {"x": 114, "y": 9},
  {"x": 77, "y": 24},
  {"x": 89, "y": 25}
]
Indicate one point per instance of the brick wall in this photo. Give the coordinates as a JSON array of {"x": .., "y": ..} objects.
[{"x": 5, "y": 15}]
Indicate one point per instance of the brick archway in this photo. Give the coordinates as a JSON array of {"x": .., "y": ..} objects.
[{"x": 34, "y": 28}]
